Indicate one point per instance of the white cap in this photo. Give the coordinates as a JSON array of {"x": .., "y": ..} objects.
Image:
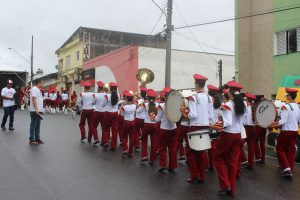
[{"x": 9, "y": 82}]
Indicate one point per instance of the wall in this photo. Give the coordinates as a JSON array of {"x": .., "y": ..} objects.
[
  {"x": 286, "y": 64},
  {"x": 121, "y": 66},
  {"x": 254, "y": 46}
]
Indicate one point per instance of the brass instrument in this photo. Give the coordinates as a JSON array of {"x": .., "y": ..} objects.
[
  {"x": 144, "y": 76},
  {"x": 152, "y": 112}
]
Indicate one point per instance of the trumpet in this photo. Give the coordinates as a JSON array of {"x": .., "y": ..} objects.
[{"x": 152, "y": 112}]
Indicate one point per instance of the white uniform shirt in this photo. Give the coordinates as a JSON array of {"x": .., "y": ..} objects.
[
  {"x": 100, "y": 102},
  {"x": 46, "y": 95},
  {"x": 141, "y": 115},
  {"x": 108, "y": 106},
  {"x": 232, "y": 123},
  {"x": 290, "y": 117},
  {"x": 201, "y": 109},
  {"x": 53, "y": 96},
  {"x": 129, "y": 112},
  {"x": 64, "y": 97},
  {"x": 185, "y": 123},
  {"x": 8, "y": 93},
  {"x": 248, "y": 120},
  {"x": 145, "y": 109},
  {"x": 88, "y": 100},
  {"x": 162, "y": 117},
  {"x": 35, "y": 92}
]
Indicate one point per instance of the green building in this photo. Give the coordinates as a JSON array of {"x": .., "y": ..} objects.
[{"x": 267, "y": 44}]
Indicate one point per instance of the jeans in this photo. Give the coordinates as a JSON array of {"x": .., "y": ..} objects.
[
  {"x": 8, "y": 111},
  {"x": 34, "y": 126}
]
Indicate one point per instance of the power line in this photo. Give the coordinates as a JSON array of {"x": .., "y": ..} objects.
[
  {"x": 237, "y": 18},
  {"x": 158, "y": 7}
]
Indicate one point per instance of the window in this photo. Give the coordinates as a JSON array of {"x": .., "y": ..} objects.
[
  {"x": 60, "y": 63},
  {"x": 68, "y": 61},
  {"x": 287, "y": 42},
  {"x": 77, "y": 55},
  {"x": 292, "y": 41}
]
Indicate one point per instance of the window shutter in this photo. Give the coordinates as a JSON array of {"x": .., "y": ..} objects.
[
  {"x": 298, "y": 39},
  {"x": 281, "y": 43}
]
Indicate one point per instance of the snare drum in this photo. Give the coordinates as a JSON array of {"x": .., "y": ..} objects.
[{"x": 199, "y": 140}]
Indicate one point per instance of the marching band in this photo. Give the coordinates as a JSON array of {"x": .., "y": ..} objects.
[{"x": 210, "y": 134}]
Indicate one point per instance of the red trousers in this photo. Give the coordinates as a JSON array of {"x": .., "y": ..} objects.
[
  {"x": 260, "y": 142},
  {"x": 139, "y": 124},
  {"x": 87, "y": 115},
  {"x": 286, "y": 150},
  {"x": 98, "y": 119},
  {"x": 128, "y": 130},
  {"x": 53, "y": 103},
  {"x": 197, "y": 160},
  {"x": 183, "y": 130},
  {"x": 167, "y": 141},
  {"x": 250, "y": 143},
  {"x": 212, "y": 153},
  {"x": 120, "y": 128},
  {"x": 66, "y": 103},
  {"x": 152, "y": 130},
  {"x": 110, "y": 121},
  {"x": 227, "y": 159}
]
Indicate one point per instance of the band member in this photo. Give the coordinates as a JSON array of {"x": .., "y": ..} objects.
[
  {"x": 286, "y": 141},
  {"x": 73, "y": 103},
  {"x": 128, "y": 110},
  {"x": 22, "y": 97},
  {"x": 249, "y": 123},
  {"x": 88, "y": 102},
  {"x": 214, "y": 92},
  {"x": 99, "y": 111},
  {"x": 65, "y": 101},
  {"x": 200, "y": 113},
  {"x": 53, "y": 102},
  {"x": 58, "y": 101},
  {"x": 46, "y": 96},
  {"x": 139, "y": 118},
  {"x": 229, "y": 145},
  {"x": 110, "y": 120},
  {"x": 150, "y": 127},
  {"x": 167, "y": 138},
  {"x": 121, "y": 117},
  {"x": 260, "y": 140},
  {"x": 182, "y": 131}
]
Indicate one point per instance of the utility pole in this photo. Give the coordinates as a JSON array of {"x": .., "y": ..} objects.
[
  {"x": 169, "y": 43},
  {"x": 220, "y": 71},
  {"x": 31, "y": 62}
]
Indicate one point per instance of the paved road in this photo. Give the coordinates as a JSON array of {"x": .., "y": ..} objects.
[{"x": 65, "y": 169}]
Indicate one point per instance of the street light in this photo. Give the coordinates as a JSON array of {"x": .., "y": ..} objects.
[{"x": 29, "y": 62}]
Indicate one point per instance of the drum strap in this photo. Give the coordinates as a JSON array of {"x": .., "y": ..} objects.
[
  {"x": 198, "y": 100},
  {"x": 290, "y": 106}
]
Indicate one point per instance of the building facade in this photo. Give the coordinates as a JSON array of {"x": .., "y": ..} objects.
[
  {"x": 87, "y": 43},
  {"x": 122, "y": 65},
  {"x": 267, "y": 43}
]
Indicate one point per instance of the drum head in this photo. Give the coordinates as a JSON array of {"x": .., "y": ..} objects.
[
  {"x": 265, "y": 113},
  {"x": 173, "y": 103}
]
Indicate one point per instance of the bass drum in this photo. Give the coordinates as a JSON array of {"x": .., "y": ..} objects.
[
  {"x": 265, "y": 113},
  {"x": 174, "y": 101},
  {"x": 199, "y": 140}
]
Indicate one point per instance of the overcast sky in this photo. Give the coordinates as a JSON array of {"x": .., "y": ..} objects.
[{"x": 51, "y": 22}]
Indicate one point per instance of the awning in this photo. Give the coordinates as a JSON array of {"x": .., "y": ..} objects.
[{"x": 9, "y": 68}]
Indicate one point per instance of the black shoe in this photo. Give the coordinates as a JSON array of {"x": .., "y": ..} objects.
[
  {"x": 224, "y": 192},
  {"x": 105, "y": 146},
  {"x": 211, "y": 169},
  {"x": 181, "y": 158},
  {"x": 162, "y": 170},
  {"x": 129, "y": 156},
  {"x": 3, "y": 128},
  {"x": 111, "y": 149},
  {"x": 262, "y": 162},
  {"x": 151, "y": 162},
  {"x": 83, "y": 139},
  {"x": 194, "y": 181},
  {"x": 124, "y": 154},
  {"x": 96, "y": 142},
  {"x": 250, "y": 167},
  {"x": 11, "y": 128},
  {"x": 171, "y": 171},
  {"x": 287, "y": 174},
  {"x": 145, "y": 159}
]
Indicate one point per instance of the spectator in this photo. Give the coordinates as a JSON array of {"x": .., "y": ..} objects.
[
  {"x": 36, "y": 112},
  {"x": 8, "y": 96}
]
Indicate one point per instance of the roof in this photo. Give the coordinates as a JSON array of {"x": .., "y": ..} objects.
[{"x": 9, "y": 68}]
